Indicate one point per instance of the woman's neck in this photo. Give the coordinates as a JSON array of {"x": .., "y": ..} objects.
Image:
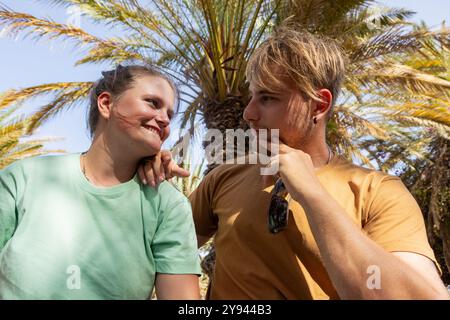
[{"x": 107, "y": 165}]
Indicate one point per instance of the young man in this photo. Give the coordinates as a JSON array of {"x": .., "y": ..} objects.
[{"x": 352, "y": 233}]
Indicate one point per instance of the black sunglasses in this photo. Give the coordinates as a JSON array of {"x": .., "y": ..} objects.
[{"x": 279, "y": 208}]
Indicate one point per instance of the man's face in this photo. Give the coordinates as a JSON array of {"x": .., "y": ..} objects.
[{"x": 283, "y": 109}]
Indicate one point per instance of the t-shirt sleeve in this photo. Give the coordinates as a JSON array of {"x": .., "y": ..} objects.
[
  {"x": 394, "y": 219},
  {"x": 174, "y": 246},
  {"x": 202, "y": 206},
  {"x": 8, "y": 217}
]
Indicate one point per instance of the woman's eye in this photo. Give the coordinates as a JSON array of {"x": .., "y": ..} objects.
[{"x": 151, "y": 102}]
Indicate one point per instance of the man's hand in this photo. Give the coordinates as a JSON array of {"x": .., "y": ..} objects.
[
  {"x": 297, "y": 172},
  {"x": 160, "y": 168},
  {"x": 408, "y": 275}
]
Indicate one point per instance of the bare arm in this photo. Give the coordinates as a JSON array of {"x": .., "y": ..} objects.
[
  {"x": 348, "y": 254},
  {"x": 177, "y": 287}
]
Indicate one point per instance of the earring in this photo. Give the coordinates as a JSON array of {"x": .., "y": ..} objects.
[{"x": 315, "y": 120}]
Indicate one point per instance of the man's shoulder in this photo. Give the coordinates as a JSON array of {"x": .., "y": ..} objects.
[
  {"x": 227, "y": 176},
  {"x": 228, "y": 170},
  {"x": 348, "y": 170}
]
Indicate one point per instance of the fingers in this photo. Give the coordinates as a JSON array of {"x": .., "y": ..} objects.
[
  {"x": 149, "y": 174},
  {"x": 166, "y": 155},
  {"x": 171, "y": 168},
  {"x": 167, "y": 168},
  {"x": 147, "y": 170},
  {"x": 141, "y": 174},
  {"x": 180, "y": 172},
  {"x": 279, "y": 148},
  {"x": 275, "y": 163},
  {"x": 166, "y": 160},
  {"x": 158, "y": 169}
]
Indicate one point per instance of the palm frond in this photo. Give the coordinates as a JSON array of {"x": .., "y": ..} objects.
[
  {"x": 397, "y": 69},
  {"x": 67, "y": 94},
  {"x": 15, "y": 22},
  {"x": 441, "y": 130},
  {"x": 12, "y": 145},
  {"x": 395, "y": 40},
  {"x": 187, "y": 185},
  {"x": 114, "y": 50},
  {"x": 394, "y": 76}
]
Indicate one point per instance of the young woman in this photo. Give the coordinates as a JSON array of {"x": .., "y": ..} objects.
[{"x": 82, "y": 226}]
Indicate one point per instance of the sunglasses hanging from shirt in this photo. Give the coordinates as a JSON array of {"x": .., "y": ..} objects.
[{"x": 279, "y": 208}]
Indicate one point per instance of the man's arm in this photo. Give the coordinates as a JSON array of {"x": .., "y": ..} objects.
[
  {"x": 424, "y": 266},
  {"x": 177, "y": 287},
  {"x": 348, "y": 254}
]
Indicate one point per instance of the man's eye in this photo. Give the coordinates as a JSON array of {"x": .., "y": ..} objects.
[{"x": 267, "y": 98}]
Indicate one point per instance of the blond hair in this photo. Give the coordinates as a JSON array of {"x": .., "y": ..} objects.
[{"x": 310, "y": 61}]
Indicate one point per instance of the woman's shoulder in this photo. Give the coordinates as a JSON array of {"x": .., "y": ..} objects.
[
  {"x": 36, "y": 165},
  {"x": 168, "y": 191},
  {"x": 166, "y": 194}
]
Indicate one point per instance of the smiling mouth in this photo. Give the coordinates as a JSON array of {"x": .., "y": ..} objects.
[{"x": 154, "y": 130}]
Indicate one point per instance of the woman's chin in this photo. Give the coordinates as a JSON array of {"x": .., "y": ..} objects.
[{"x": 151, "y": 150}]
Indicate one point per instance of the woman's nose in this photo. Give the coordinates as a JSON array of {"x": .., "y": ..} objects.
[{"x": 162, "y": 118}]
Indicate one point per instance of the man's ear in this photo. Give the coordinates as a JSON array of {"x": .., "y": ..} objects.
[
  {"x": 104, "y": 104},
  {"x": 322, "y": 107}
]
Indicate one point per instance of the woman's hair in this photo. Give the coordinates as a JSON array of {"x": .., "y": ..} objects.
[
  {"x": 118, "y": 81},
  {"x": 310, "y": 61}
]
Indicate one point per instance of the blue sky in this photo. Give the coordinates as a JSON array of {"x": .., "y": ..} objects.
[{"x": 25, "y": 62}]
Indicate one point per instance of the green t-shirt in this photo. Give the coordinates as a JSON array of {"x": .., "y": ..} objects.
[{"x": 63, "y": 238}]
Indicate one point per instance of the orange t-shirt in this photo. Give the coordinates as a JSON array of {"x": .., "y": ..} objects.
[{"x": 252, "y": 263}]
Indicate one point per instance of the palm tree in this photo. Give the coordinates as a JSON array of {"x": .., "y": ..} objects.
[
  {"x": 205, "y": 44},
  {"x": 430, "y": 184},
  {"x": 391, "y": 93},
  {"x": 12, "y": 146},
  {"x": 188, "y": 185}
]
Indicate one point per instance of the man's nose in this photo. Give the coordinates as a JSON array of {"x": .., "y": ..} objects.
[{"x": 251, "y": 111}]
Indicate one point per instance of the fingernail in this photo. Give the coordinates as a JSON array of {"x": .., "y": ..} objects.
[{"x": 144, "y": 181}]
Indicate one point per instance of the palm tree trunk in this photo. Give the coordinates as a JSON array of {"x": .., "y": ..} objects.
[
  {"x": 439, "y": 205},
  {"x": 222, "y": 116}
]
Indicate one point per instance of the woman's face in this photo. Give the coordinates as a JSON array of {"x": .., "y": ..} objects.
[{"x": 141, "y": 115}]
